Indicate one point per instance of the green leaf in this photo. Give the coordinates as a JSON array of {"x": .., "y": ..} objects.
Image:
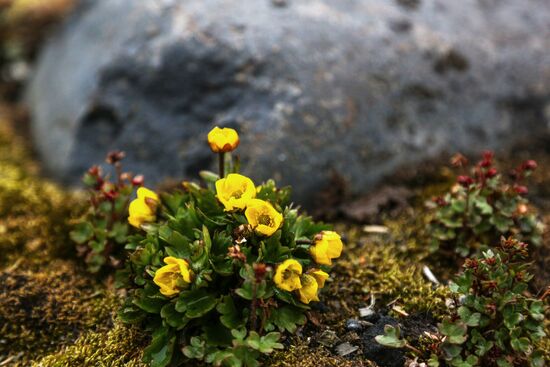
[
  {"x": 179, "y": 242},
  {"x": 82, "y": 233},
  {"x": 130, "y": 314},
  {"x": 458, "y": 205},
  {"x": 455, "y": 331},
  {"x": 482, "y": 204},
  {"x": 503, "y": 224},
  {"x": 537, "y": 359},
  {"x": 197, "y": 302},
  {"x": 287, "y": 318},
  {"x": 149, "y": 299},
  {"x": 469, "y": 318},
  {"x": 159, "y": 352},
  {"x": 230, "y": 317},
  {"x": 173, "y": 318},
  {"x": 511, "y": 317},
  {"x": 391, "y": 337},
  {"x": 265, "y": 344},
  {"x": 521, "y": 344},
  {"x": 536, "y": 310},
  {"x": 196, "y": 349}
]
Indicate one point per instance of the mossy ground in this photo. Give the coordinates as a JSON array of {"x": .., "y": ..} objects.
[{"x": 52, "y": 313}]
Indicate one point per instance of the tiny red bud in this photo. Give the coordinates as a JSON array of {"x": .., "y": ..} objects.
[
  {"x": 94, "y": 171},
  {"x": 115, "y": 156},
  {"x": 488, "y": 155},
  {"x": 110, "y": 195},
  {"x": 440, "y": 201},
  {"x": 465, "y": 180},
  {"x": 471, "y": 263},
  {"x": 485, "y": 164},
  {"x": 490, "y": 261},
  {"x": 138, "y": 180},
  {"x": 492, "y": 172},
  {"x": 529, "y": 165},
  {"x": 521, "y": 190},
  {"x": 259, "y": 270}
]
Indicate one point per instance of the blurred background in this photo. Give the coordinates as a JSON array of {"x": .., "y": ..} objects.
[{"x": 332, "y": 97}]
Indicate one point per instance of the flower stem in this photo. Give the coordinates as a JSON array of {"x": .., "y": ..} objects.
[
  {"x": 221, "y": 156},
  {"x": 253, "y": 306}
]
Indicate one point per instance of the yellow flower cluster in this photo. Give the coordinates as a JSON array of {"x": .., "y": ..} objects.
[
  {"x": 238, "y": 192},
  {"x": 289, "y": 277}
]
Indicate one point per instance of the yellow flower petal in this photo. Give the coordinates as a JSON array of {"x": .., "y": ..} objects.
[
  {"x": 287, "y": 275},
  {"x": 309, "y": 289},
  {"x": 144, "y": 192},
  {"x": 334, "y": 244},
  {"x": 235, "y": 191},
  {"x": 319, "y": 252},
  {"x": 223, "y": 140},
  {"x": 320, "y": 277},
  {"x": 263, "y": 217}
]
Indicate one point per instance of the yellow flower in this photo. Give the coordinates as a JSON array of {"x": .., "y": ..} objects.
[
  {"x": 235, "y": 191},
  {"x": 263, "y": 217},
  {"x": 311, "y": 283},
  {"x": 144, "y": 208},
  {"x": 309, "y": 289},
  {"x": 320, "y": 276},
  {"x": 173, "y": 276},
  {"x": 287, "y": 275},
  {"x": 223, "y": 140},
  {"x": 328, "y": 245}
]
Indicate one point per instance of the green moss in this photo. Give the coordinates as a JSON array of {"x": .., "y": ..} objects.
[
  {"x": 300, "y": 354},
  {"x": 375, "y": 266},
  {"x": 41, "y": 310},
  {"x": 34, "y": 213},
  {"x": 119, "y": 346}
]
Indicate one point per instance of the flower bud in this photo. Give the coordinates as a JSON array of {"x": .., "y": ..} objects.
[
  {"x": 491, "y": 172},
  {"x": 138, "y": 180},
  {"x": 223, "y": 140},
  {"x": 94, "y": 171},
  {"x": 471, "y": 263},
  {"x": 259, "y": 271},
  {"x": 521, "y": 190},
  {"x": 529, "y": 165},
  {"x": 465, "y": 181},
  {"x": 115, "y": 156}
]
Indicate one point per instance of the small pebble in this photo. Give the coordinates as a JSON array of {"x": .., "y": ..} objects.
[
  {"x": 366, "y": 312},
  {"x": 353, "y": 325},
  {"x": 346, "y": 348},
  {"x": 328, "y": 338}
]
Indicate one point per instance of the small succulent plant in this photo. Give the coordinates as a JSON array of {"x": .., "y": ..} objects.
[
  {"x": 482, "y": 207},
  {"x": 494, "y": 322},
  {"x": 101, "y": 233}
]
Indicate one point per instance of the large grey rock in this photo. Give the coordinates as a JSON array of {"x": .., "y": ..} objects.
[{"x": 356, "y": 87}]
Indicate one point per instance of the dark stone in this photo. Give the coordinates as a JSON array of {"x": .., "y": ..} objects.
[
  {"x": 353, "y": 325},
  {"x": 317, "y": 88},
  {"x": 383, "y": 356}
]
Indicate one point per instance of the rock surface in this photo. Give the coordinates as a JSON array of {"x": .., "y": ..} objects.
[{"x": 315, "y": 87}]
